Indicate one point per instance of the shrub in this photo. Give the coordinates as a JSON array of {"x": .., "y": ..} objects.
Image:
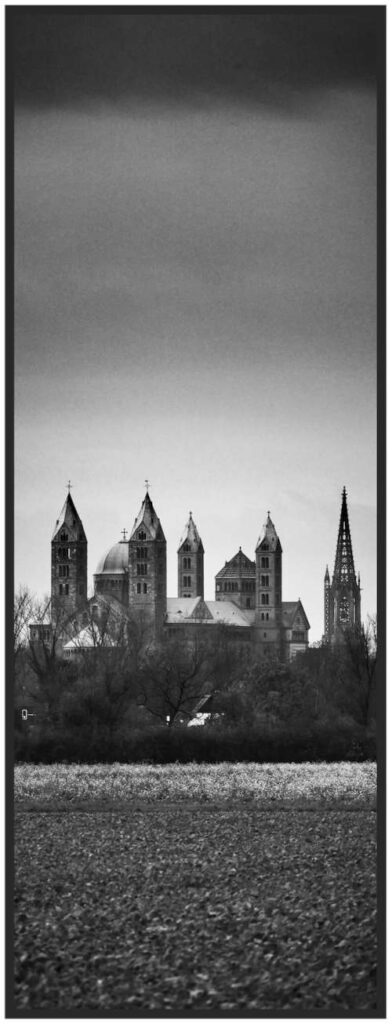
[{"x": 209, "y": 744}]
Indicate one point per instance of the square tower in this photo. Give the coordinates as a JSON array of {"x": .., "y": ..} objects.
[
  {"x": 69, "y": 561},
  {"x": 268, "y": 615},
  {"x": 147, "y": 567},
  {"x": 190, "y": 560}
]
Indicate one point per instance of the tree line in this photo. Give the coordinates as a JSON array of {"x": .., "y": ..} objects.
[{"x": 127, "y": 697}]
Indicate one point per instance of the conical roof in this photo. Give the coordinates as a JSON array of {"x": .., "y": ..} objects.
[
  {"x": 69, "y": 518},
  {"x": 344, "y": 571},
  {"x": 148, "y": 518},
  {"x": 191, "y": 536},
  {"x": 269, "y": 538}
]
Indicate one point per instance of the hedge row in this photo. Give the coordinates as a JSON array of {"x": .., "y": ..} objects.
[{"x": 209, "y": 745}]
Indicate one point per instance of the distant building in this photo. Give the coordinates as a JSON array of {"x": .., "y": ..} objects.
[
  {"x": 131, "y": 578},
  {"x": 342, "y": 595}
]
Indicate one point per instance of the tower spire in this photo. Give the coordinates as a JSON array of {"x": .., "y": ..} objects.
[
  {"x": 342, "y": 595},
  {"x": 344, "y": 571}
]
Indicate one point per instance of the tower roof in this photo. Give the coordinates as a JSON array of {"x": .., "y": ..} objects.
[
  {"x": 240, "y": 564},
  {"x": 69, "y": 517},
  {"x": 269, "y": 539},
  {"x": 344, "y": 571},
  {"x": 191, "y": 536},
  {"x": 148, "y": 518}
]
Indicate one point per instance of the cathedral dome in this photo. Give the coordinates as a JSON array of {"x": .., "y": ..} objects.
[{"x": 115, "y": 560}]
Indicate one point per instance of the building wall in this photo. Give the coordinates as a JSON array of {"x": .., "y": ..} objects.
[
  {"x": 240, "y": 591},
  {"x": 268, "y": 588},
  {"x": 147, "y": 576},
  {"x": 190, "y": 571},
  {"x": 348, "y": 597},
  {"x": 68, "y": 570},
  {"x": 112, "y": 585}
]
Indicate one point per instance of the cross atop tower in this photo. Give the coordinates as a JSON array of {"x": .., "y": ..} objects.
[
  {"x": 147, "y": 484},
  {"x": 69, "y": 485},
  {"x": 124, "y": 533}
]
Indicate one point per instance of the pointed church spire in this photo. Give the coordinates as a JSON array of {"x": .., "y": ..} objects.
[
  {"x": 69, "y": 517},
  {"x": 149, "y": 519},
  {"x": 344, "y": 571},
  {"x": 191, "y": 535},
  {"x": 269, "y": 537}
]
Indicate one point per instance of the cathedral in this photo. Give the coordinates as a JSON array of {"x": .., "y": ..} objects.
[
  {"x": 131, "y": 579},
  {"x": 342, "y": 595}
]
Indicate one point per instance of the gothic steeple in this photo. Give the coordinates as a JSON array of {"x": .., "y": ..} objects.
[
  {"x": 344, "y": 571},
  {"x": 69, "y": 560},
  {"x": 342, "y": 597},
  {"x": 190, "y": 556}
]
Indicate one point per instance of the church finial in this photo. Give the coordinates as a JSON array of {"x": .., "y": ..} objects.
[
  {"x": 147, "y": 485},
  {"x": 124, "y": 533},
  {"x": 69, "y": 485}
]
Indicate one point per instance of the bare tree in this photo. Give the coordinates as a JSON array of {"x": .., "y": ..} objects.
[
  {"x": 360, "y": 646},
  {"x": 23, "y": 610},
  {"x": 176, "y": 674}
]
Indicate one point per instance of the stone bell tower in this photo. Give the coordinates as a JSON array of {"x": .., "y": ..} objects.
[
  {"x": 190, "y": 556},
  {"x": 147, "y": 566},
  {"x": 268, "y": 614},
  {"x": 69, "y": 560}
]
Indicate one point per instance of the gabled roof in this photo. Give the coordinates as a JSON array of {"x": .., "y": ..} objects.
[
  {"x": 191, "y": 536},
  {"x": 195, "y": 609},
  {"x": 269, "y": 540},
  {"x": 290, "y": 609},
  {"x": 228, "y": 613},
  {"x": 148, "y": 518},
  {"x": 239, "y": 565},
  {"x": 180, "y": 609},
  {"x": 89, "y": 637},
  {"x": 186, "y": 609},
  {"x": 70, "y": 518}
]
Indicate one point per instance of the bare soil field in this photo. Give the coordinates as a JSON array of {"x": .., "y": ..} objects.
[{"x": 199, "y": 905}]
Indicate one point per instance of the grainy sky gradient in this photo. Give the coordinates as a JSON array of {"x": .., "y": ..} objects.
[{"x": 196, "y": 283}]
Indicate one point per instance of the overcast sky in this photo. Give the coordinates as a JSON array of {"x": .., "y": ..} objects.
[{"x": 195, "y": 225}]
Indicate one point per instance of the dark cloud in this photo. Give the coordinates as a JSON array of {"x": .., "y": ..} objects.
[{"x": 65, "y": 56}]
